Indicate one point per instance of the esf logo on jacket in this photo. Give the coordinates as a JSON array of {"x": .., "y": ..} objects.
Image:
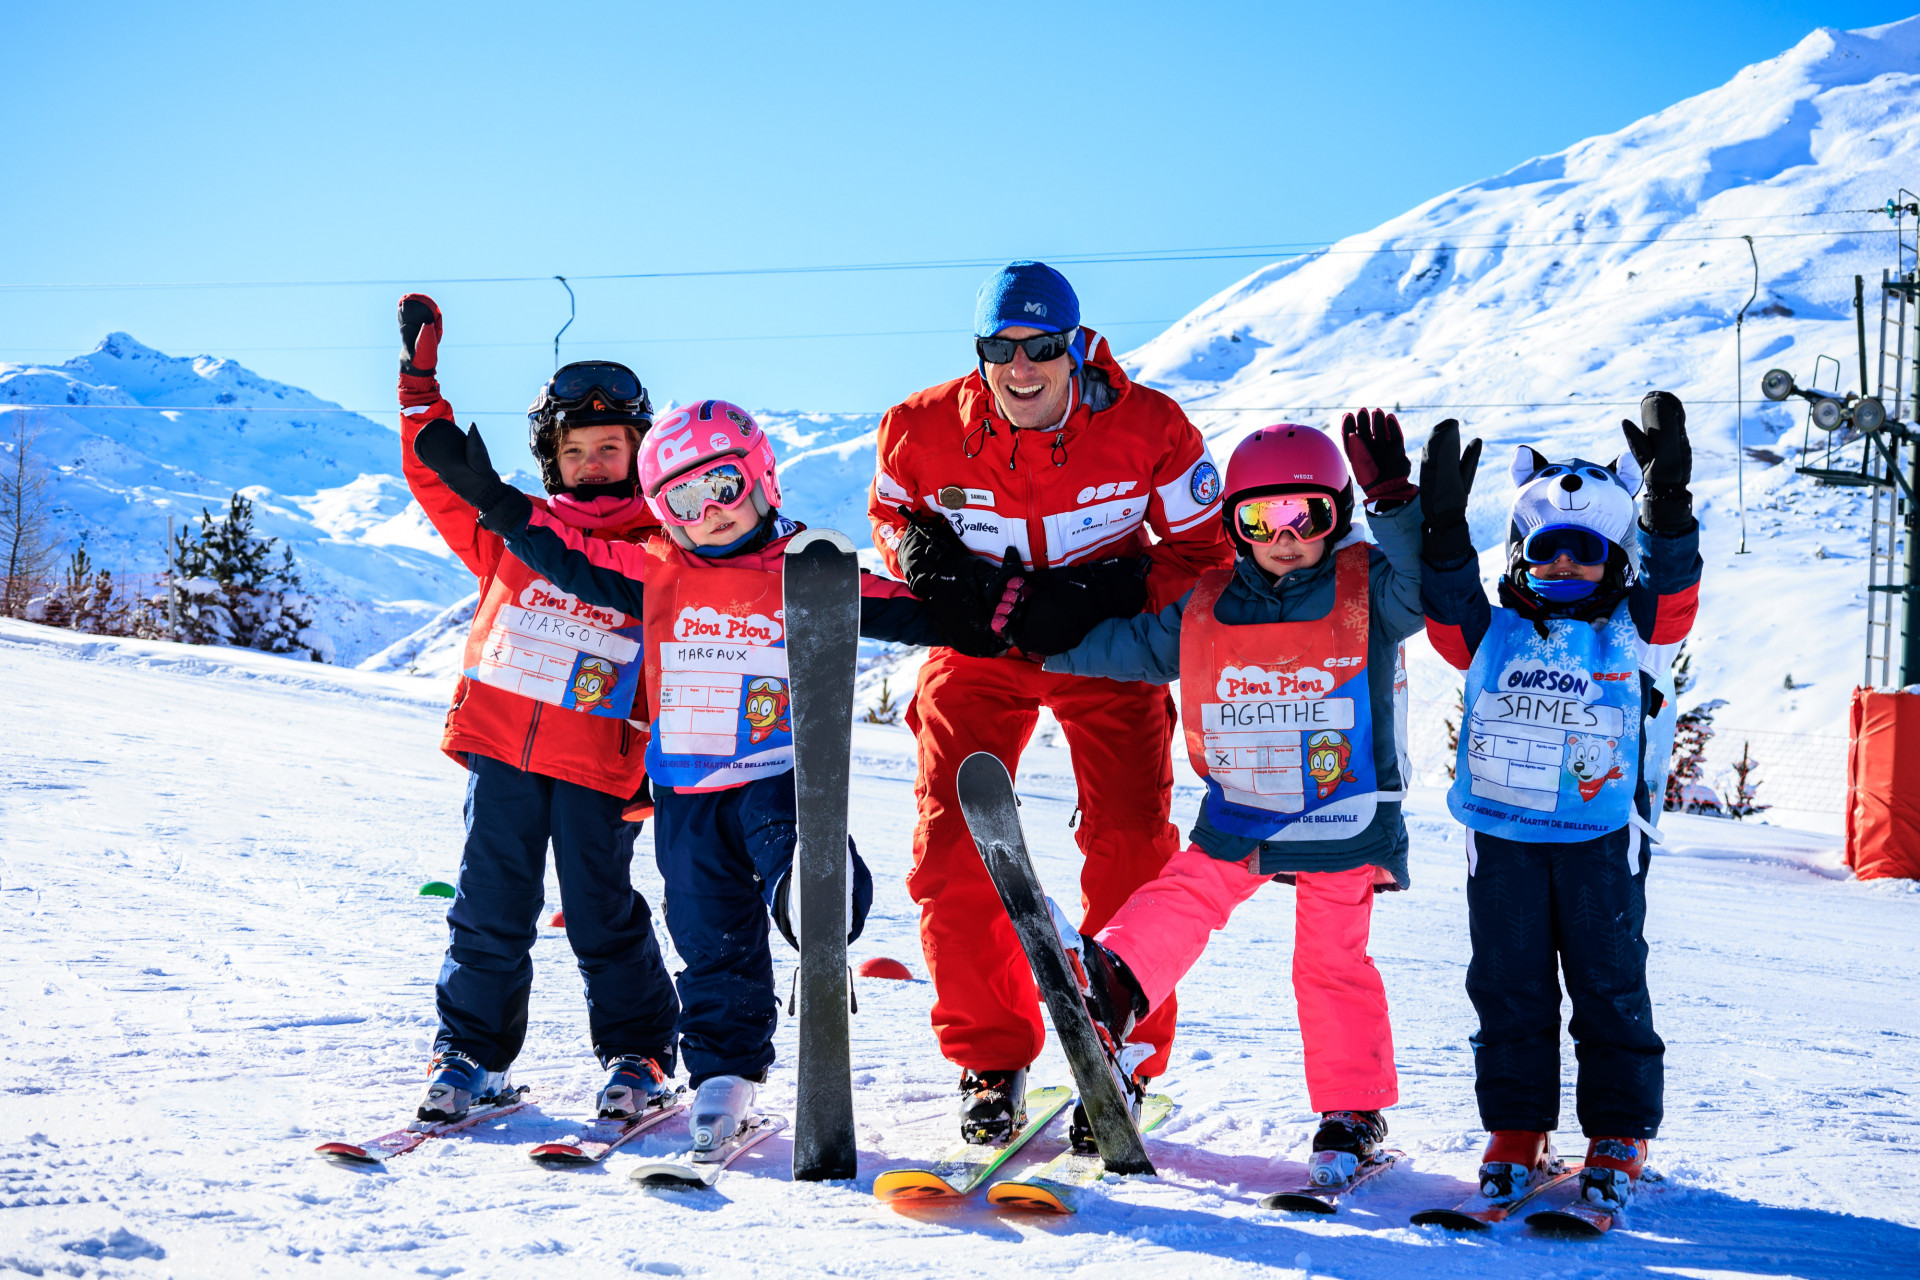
[{"x": 557, "y": 649}]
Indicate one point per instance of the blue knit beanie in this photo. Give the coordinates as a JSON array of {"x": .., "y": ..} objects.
[{"x": 1031, "y": 294}]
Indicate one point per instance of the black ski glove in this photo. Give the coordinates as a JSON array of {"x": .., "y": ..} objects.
[
  {"x": 1446, "y": 479},
  {"x": 959, "y": 588},
  {"x": 1377, "y": 456},
  {"x": 1666, "y": 457},
  {"x": 1057, "y": 607},
  {"x": 461, "y": 462}
]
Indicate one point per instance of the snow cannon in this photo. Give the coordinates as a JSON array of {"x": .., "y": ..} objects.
[
  {"x": 885, "y": 967},
  {"x": 436, "y": 889}
]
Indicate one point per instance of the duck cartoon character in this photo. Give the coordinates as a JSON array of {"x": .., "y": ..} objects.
[
  {"x": 766, "y": 709},
  {"x": 593, "y": 683},
  {"x": 1327, "y": 755}
]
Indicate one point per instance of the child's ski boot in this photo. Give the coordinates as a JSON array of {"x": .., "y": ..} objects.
[
  {"x": 1612, "y": 1171},
  {"x": 993, "y": 1105},
  {"x": 1345, "y": 1141},
  {"x": 722, "y": 1106},
  {"x": 455, "y": 1083},
  {"x": 634, "y": 1083},
  {"x": 1115, "y": 1003},
  {"x": 1514, "y": 1159}
]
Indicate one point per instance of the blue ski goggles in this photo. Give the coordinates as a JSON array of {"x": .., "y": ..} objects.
[{"x": 1549, "y": 542}]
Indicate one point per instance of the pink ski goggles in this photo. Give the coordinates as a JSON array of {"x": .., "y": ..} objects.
[
  {"x": 720, "y": 483},
  {"x": 1307, "y": 516}
]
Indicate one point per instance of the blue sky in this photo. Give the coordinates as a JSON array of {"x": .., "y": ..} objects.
[{"x": 208, "y": 143}]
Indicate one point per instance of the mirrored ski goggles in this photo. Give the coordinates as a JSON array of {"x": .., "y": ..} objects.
[
  {"x": 1307, "y": 516},
  {"x": 722, "y": 485},
  {"x": 1549, "y": 543},
  {"x": 1040, "y": 348}
]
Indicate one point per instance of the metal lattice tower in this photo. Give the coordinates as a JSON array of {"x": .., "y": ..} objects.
[{"x": 1893, "y": 621}]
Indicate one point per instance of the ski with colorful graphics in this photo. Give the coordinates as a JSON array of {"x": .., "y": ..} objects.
[
  {"x": 1060, "y": 1185},
  {"x": 699, "y": 1171},
  {"x": 601, "y": 1138},
  {"x": 377, "y": 1151},
  {"x": 970, "y": 1163},
  {"x": 987, "y": 800},
  {"x": 1477, "y": 1213},
  {"x": 1311, "y": 1199}
]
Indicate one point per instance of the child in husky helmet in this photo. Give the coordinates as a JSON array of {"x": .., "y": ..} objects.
[{"x": 1551, "y": 785}]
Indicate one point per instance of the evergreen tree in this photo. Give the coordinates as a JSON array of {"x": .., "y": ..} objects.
[{"x": 230, "y": 589}]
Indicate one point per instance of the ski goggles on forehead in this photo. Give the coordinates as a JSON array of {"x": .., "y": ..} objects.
[
  {"x": 1307, "y": 516},
  {"x": 1040, "y": 348},
  {"x": 722, "y": 485},
  {"x": 1582, "y": 546},
  {"x": 613, "y": 382}
]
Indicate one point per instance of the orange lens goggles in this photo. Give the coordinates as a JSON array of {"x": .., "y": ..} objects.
[{"x": 1307, "y": 516}]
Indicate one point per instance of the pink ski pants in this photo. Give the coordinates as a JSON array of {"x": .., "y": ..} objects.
[{"x": 1163, "y": 927}]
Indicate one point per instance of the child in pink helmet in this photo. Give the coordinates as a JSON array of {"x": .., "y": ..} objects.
[
  {"x": 1292, "y": 687},
  {"x": 708, "y": 593}
]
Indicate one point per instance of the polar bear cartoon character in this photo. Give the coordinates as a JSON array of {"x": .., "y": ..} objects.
[{"x": 1592, "y": 762}]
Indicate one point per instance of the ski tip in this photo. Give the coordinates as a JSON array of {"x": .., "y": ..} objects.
[
  {"x": 668, "y": 1180},
  {"x": 909, "y": 1186},
  {"x": 1570, "y": 1224},
  {"x": 346, "y": 1153},
  {"x": 983, "y": 766},
  {"x": 1449, "y": 1219},
  {"x": 1028, "y": 1196},
  {"x": 558, "y": 1153},
  {"x": 806, "y": 540},
  {"x": 1296, "y": 1202}
]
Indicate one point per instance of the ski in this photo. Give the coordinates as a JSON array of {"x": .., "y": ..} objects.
[
  {"x": 1576, "y": 1221},
  {"x": 822, "y": 602},
  {"x": 701, "y": 1170},
  {"x": 1059, "y": 1185},
  {"x": 378, "y": 1151},
  {"x": 1477, "y": 1213},
  {"x": 988, "y": 801},
  {"x": 601, "y": 1138},
  {"x": 970, "y": 1163},
  {"x": 1311, "y": 1199}
]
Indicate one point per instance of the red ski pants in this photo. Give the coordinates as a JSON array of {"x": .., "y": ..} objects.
[
  {"x": 986, "y": 1009},
  {"x": 1344, "y": 1026}
]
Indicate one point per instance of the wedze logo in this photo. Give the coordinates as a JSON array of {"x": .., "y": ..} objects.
[
  {"x": 1239, "y": 684},
  {"x": 710, "y": 624},
  {"x": 544, "y": 597}
]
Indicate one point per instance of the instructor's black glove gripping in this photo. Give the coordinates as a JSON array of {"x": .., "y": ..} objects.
[
  {"x": 461, "y": 462},
  {"x": 1446, "y": 479},
  {"x": 1666, "y": 457},
  {"x": 1057, "y": 607},
  {"x": 959, "y": 588}
]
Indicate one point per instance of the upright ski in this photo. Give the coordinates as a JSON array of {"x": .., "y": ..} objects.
[
  {"x": 1312, "y": 1199},
  {"x": 822, "y": 600},
  {"x": 699, "y": 1171},
  {"x": 987, "y": 800},
  {"x": 970, "y": 1163},
  {"x": 1060, "y": 1185},
  {"x": 377, "y": 1151},
  {"x": 1477, "y": 1213},
  {"x": 601, "y": 1138}
]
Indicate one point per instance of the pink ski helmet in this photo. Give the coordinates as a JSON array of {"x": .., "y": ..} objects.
[
  {"x": 1288, "y": 457},
  {"x": 699, "y": 438}
]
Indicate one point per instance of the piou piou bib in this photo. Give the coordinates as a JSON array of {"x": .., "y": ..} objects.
[
  {"x": 1278, "y": 716},
  {"x": 1550, "y": 750}
]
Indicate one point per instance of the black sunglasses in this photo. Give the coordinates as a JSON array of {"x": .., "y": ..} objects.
[
  {"x": 1040, "y": 348},
  {"x": 613, "y": 381}
]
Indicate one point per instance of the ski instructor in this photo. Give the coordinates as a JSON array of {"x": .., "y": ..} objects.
[{"x": 1040, "y": 494}]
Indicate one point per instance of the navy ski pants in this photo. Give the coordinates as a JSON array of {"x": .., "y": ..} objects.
[
  {"x": 1539, "y": 910},
  {"x": 494, "y": 921},
  {"x": 723, "y": 855}
]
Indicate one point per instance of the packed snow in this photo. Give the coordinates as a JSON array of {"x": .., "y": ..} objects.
[{"x": 218, "y": 959}]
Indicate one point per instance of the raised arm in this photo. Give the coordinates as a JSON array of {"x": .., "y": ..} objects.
[
  {"x": 1664, "y": 599},
  {"x": 1456, "y": 605},
  {"x": 421, "y": 329}
]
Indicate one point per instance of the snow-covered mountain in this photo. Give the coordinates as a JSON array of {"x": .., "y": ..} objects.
[
  {"x": 136, "y": 436},
  {"x": 1540, "y": 305}
]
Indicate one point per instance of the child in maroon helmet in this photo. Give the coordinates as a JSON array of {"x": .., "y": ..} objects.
[{"x": 1291, "y": 681}]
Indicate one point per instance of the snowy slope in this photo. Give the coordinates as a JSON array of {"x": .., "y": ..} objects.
[
  {"x": 139, "y": 436},
  {"x": 1574, "y": 283},
  {"x": 212, "y": 957}
]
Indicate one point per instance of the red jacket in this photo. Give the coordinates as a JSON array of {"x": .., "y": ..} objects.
[
  {"x": 597, "y": 751},
  {"x": 1126, "y": 462}
]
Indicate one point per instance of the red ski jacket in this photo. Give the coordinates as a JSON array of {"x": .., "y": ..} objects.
[
  {"x": 597, "y": 751},
  {"x": 1125, "y": 465}
]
